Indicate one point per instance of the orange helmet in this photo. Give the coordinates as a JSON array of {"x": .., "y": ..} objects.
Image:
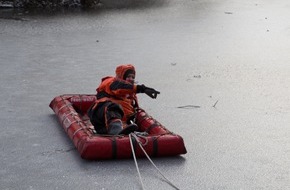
[{"x": 123, "y": 70}]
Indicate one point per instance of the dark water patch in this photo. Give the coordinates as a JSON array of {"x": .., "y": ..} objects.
[
  {"x": 26, "y": 13},
  {"x": 57, "y": 5},
  {"x": 40, "y": 3}
]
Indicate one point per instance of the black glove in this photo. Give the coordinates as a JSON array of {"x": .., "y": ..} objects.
[
  {"x": 148, "y": 91},
  {"x": 151, "y": 92}
]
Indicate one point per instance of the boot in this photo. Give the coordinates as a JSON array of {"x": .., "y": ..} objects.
[
  {"x": 115, "y": 127},
  {"x": 129, "y": 129}
]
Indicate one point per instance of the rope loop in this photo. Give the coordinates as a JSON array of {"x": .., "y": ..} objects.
[{"x": 142, "y": 135}]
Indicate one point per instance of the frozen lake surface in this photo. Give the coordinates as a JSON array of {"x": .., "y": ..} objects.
[{"x": 222, "y": 67}]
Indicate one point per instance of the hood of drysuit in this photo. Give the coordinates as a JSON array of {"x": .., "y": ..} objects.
[{"x": 122, "y": 69}]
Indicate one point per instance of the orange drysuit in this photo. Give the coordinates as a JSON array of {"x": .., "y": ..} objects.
[{"x": 119, "y": 91}]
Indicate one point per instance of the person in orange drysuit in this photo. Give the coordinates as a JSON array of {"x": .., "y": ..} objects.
[{"x": 115, "y": 108}]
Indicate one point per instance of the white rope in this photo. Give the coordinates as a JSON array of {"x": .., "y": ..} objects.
[
  {"x": 140, "y": 144},
  {"x": 132, "y": 147}
]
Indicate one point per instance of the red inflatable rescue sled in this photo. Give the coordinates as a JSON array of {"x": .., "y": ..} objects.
[{"x": 71, "y": 111}]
